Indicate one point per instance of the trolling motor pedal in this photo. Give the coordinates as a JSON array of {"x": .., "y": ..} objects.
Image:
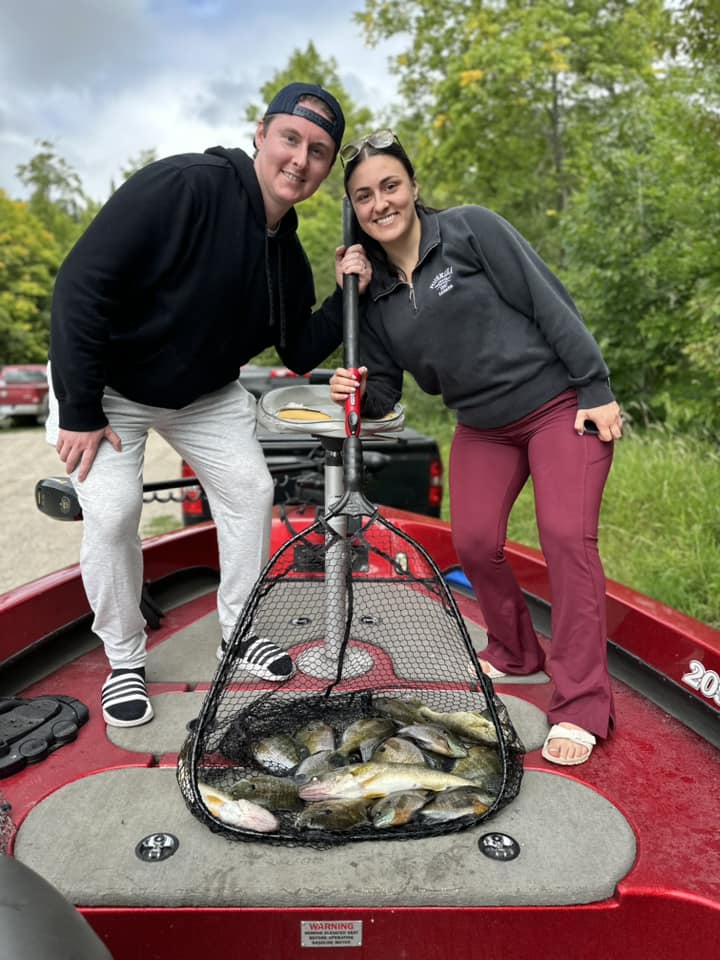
[{"x": 56, "y": 497}]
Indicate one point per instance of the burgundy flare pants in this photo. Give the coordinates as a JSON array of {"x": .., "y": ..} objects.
[{"x": 488, "y": 469}]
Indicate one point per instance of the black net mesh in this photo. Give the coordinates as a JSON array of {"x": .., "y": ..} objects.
[{"x": 387, "y": 730}]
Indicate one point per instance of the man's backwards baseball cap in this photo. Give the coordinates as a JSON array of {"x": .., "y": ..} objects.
[{"x": 287, "y": 101}]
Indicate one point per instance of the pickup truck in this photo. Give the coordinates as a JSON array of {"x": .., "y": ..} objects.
[
  {"x": 404, "y": 471},
  {"x": 24, "y": 393}
]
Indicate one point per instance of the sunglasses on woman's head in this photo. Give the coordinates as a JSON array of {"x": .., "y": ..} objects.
[{"x": 379, "y": 139}]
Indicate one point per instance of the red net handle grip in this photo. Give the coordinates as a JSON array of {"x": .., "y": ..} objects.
[{"x": 352, "y": 409}]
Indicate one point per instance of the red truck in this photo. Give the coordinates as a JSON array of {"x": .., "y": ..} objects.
[{"x": 24, "y": 393}]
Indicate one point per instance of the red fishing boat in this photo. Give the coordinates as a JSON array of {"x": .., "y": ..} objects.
[{"x": 619, "y": 857}]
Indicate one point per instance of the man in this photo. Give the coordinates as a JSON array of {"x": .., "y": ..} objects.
[{"x": 190, "y": 269}]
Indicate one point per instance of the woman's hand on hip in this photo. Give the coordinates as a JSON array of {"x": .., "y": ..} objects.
[{"x": 607, "y": 420}]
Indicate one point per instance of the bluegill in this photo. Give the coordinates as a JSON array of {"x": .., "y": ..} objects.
[
  {"x": 316, "y": 763},
  {"x": 333, "y": 815},
  {"x": 398, "y": 808},
  {"x": 243, "y": 814},
  {"x": 316, "y": 736},
  {"x": 481, "y": 761},
  {"x": 377, "y": 780},
  {"x": 275, "y": 793},
  {"x": 397, "y": 750},
  {"x": 278, "y": 754},
  {"x": 363, "y": 736},
  {"x": 434, "y": 737}
]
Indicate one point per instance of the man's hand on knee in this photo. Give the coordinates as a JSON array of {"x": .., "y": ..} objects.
[{"x": 78, "y": 448}]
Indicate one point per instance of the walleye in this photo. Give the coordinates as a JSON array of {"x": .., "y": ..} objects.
[
  {"x": 377, "y": 780},
  {"x": 243, "y": 814},
  {"x": 333, "y": 815}
]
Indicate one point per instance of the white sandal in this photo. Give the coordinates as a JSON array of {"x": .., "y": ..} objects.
[
  {"x": 576, "y": 735},
  {"x": 490, "y": 671}
]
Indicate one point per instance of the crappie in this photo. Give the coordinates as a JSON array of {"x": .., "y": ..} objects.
[
  {"x": 451, "y": 804},
  {"x": 316, "y": 736},
  {"x": 377, "y": 780},
  {"x": 275, "y": 793},
  {"x": 333, "y": 815},
  {"x": 363, "y": 736},
  {"x": 398, "y": 808},
  {"x": 243, "y": 814},
  {"x": 278, "y": 754},
  {"x": 464, "y": 723},
  {"x": 434, "y": 737}
]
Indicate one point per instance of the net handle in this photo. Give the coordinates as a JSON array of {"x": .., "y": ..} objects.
[{"x": 351, "y": 325}]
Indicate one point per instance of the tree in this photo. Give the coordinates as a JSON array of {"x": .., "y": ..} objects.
[
  {"x": 29, "y": 259},
  {"x": 500, "y": 96},
  {"x": 641, "y": 246},
  {"x": 57, "y": 199}
]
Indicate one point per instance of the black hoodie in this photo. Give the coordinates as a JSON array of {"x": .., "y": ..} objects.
[
  {"x": 175, "y": 284},
  {"x": 484, "y": 322}
]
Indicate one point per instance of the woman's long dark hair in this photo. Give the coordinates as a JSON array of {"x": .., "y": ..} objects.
[{"x": 374, "y": 250}]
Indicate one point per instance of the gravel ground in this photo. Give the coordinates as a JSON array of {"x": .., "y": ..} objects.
[{"x": 32, "y": 544}]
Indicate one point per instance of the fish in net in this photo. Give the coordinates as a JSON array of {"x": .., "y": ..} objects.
[{"x": 388, "y": 728}]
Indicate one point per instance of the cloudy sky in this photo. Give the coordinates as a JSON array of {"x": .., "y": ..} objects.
[{"x": 106, "y": 79}]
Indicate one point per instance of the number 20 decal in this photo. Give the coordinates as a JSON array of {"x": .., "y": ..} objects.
[{"x": 707, "y": 682}]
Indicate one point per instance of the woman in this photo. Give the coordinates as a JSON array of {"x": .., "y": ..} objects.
[{"x": 460, "y": 300}]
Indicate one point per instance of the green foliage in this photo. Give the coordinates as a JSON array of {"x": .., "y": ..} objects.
[
  {"x": 501, "y": 96},
  {"x": 660, "y": 525},
  {"x": 660, "y": 521},
  {"x": 642, "y": 257},
  {"x": 29, "y": 259}
]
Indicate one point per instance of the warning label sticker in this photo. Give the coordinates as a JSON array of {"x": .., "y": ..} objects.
[{"x": 331, "y": 933}]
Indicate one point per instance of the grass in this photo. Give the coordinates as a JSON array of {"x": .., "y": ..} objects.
[
  {"x": 660, "y": 522},
  {"x": 158, "y": 525}
]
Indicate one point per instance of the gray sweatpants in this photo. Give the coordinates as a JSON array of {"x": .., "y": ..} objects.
[{"x": 216, "y": 435}]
